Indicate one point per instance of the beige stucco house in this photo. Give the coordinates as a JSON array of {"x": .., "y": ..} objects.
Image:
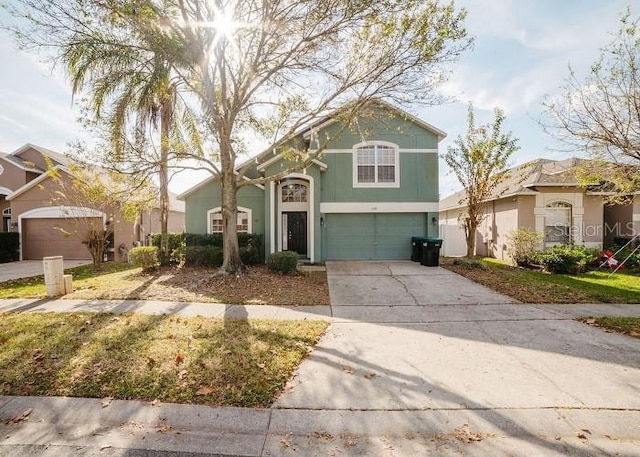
[
  {"x": 543, "y": 195},
  {"x": 26, "y": 203}
]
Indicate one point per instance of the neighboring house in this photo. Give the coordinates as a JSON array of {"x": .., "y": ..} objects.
[
  {"x": 374, "y": 186},
  {"x": 26, "y": 192},
  {"x": 543, "y": 195}
]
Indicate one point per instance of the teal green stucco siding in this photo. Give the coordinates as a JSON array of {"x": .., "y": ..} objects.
[
  {"x": 418, "y": 180},
  {"x": 208, "y": 197}
]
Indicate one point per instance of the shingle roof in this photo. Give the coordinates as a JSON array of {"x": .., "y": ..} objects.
[{"x": 524, "y": 178}]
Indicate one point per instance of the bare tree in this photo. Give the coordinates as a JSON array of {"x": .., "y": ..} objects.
[
  {"x": 95, "y": 201},
  {"x": 261, "y": 67},
  {"x": 600, "y": 113},
  {"x": 480, "y": 161}
]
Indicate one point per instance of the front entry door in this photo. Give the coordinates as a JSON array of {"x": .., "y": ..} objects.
[{"x": 295, "y": 224}]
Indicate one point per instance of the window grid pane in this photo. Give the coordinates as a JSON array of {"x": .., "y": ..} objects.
[
  {"x": 294, "y": 193},
  {"x": 376, "y": 164},
  {"x": 366, "y": 174},
  {"x": 242, "y": 225}
]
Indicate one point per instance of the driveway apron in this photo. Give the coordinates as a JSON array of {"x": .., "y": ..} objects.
[{"x": 407, "y": 337}]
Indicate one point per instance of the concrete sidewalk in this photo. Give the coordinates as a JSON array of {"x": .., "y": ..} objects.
[
  {"x": 30, "y": 268},
  {"x": 417, "y": 361}
]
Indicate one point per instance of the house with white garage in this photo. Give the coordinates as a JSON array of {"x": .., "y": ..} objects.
[
  {"x": 373, "y": 187},
  {"x": 26, "y": 191}
]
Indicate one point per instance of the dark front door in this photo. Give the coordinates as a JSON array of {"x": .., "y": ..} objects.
[{"x": 296, "y": 228}]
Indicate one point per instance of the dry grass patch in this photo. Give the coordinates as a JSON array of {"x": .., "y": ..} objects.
[
  {"x": 165, "y": 358},
  {"x": 260, "y": 286}
]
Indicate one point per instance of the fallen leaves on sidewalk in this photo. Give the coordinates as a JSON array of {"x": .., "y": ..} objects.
[
  {"x": 20, "y": 417},
  {"x": 106, "y": 401},
  {"x": 464, "y": 435}
]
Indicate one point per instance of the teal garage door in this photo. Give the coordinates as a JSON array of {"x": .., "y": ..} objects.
[{"x": 384, "y": 236}]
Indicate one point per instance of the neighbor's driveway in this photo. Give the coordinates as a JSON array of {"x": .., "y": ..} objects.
[
  {"x": 407, "y": 337},
  {"x": 29, "y": 268}
]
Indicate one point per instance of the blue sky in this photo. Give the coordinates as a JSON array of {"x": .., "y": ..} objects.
[{"x": 521, "y": 54}]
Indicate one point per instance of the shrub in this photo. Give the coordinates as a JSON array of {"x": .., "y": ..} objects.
[
  {"x": 250, "y": 245},
  {"x": 203, "y": 256},
  {"x": 145, "y": 257},
  {"x": 9, "y": 246},
  {"x": 284, "y": 262},
  {"x": 523, "y": 245},
  {"x": 567, "y": 258}
]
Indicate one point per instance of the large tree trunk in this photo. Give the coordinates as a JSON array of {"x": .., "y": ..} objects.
[
  {"x": 470, "y": 234},
  {"x": 232, "y": 263}
]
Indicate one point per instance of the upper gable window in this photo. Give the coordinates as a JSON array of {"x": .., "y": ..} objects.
[{"x": 376, "y": 164}]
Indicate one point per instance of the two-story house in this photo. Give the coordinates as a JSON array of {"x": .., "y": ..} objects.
[
  {"x": 373, "y": 187},
  {"x": 26, "y": 202}
]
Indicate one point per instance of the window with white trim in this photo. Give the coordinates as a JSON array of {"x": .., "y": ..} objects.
[
  {"x": 6, "y": 212},
  {"x": 243, "y": 222},
  {"x": 294, "y": 193},
  {"x": 375, "y": 165},
  {"x": 557, "y": 223}
]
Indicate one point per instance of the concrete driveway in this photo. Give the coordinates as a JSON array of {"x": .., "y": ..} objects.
[
  {"x": 29, "y": 268},
  {"x": 423, "y": 339}
]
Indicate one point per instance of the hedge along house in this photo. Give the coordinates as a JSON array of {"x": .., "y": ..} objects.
[
  {"x": 373, "y": 187},
  {"x": 545, "y": 196}
]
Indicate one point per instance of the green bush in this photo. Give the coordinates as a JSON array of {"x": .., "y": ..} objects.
[
  {"x": 203, "y": 256},
  {"x": 567, "y": 258},
  {"x": 145, "y": 257},
  {"x": 523, "y": 245},
  {"x": 9, "y": 246},
  {"x": 284, "y": 262}
]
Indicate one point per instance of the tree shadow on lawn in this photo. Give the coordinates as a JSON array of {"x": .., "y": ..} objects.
[{"x": 165, "y": 358}]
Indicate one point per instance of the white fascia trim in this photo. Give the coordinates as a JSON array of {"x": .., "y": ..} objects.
[
  {"x": 218, "y": 209},
  {"x": 61, "y": 212},
  {"x": 401, "y": 150},
  {"x": 263, "y": 166},
  {"x": 36, "y": 181},
  {"x": 5, "y": 191},
  {"x": 20, "y": 166},
  {"x": 379, "y": 207}
]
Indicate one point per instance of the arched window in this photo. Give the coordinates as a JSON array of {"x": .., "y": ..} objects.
[
  {"x": 216, "y": 225},
  {"x": 6, "y": 212},
  {"x": 294, "y": 192},
  {"x": 376, "y": 164},
  {"x": 557, "y": 222}
]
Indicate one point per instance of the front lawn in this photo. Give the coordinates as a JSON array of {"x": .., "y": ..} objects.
[
  {"x": 139, "y": 357},
  {"x": 124, "y": 282},
  {"x": 626, "y": 325},
  {"x": 530, "y": 286}
]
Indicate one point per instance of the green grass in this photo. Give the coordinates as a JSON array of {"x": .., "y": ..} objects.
[
  {"x": 165, "y": 358},
  {"x": 530, "y": 286},
  {"x": 83, "y": 276},
  {"x": 626, "y": 325}
]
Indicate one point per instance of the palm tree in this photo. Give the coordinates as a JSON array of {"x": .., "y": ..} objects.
[{"x": 130, "y": 89}]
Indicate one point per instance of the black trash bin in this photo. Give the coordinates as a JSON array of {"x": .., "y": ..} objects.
[
  {"x": 416, "y": 248},
  {"x": 431, "y": 252}
]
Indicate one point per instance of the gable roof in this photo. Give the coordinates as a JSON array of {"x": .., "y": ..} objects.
[
  {"x": 524, "y": 179},
  {"x": 34, "y": 182},
  {"x": 55, "y": 156},
  {"x": 271, "y": 155}
]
